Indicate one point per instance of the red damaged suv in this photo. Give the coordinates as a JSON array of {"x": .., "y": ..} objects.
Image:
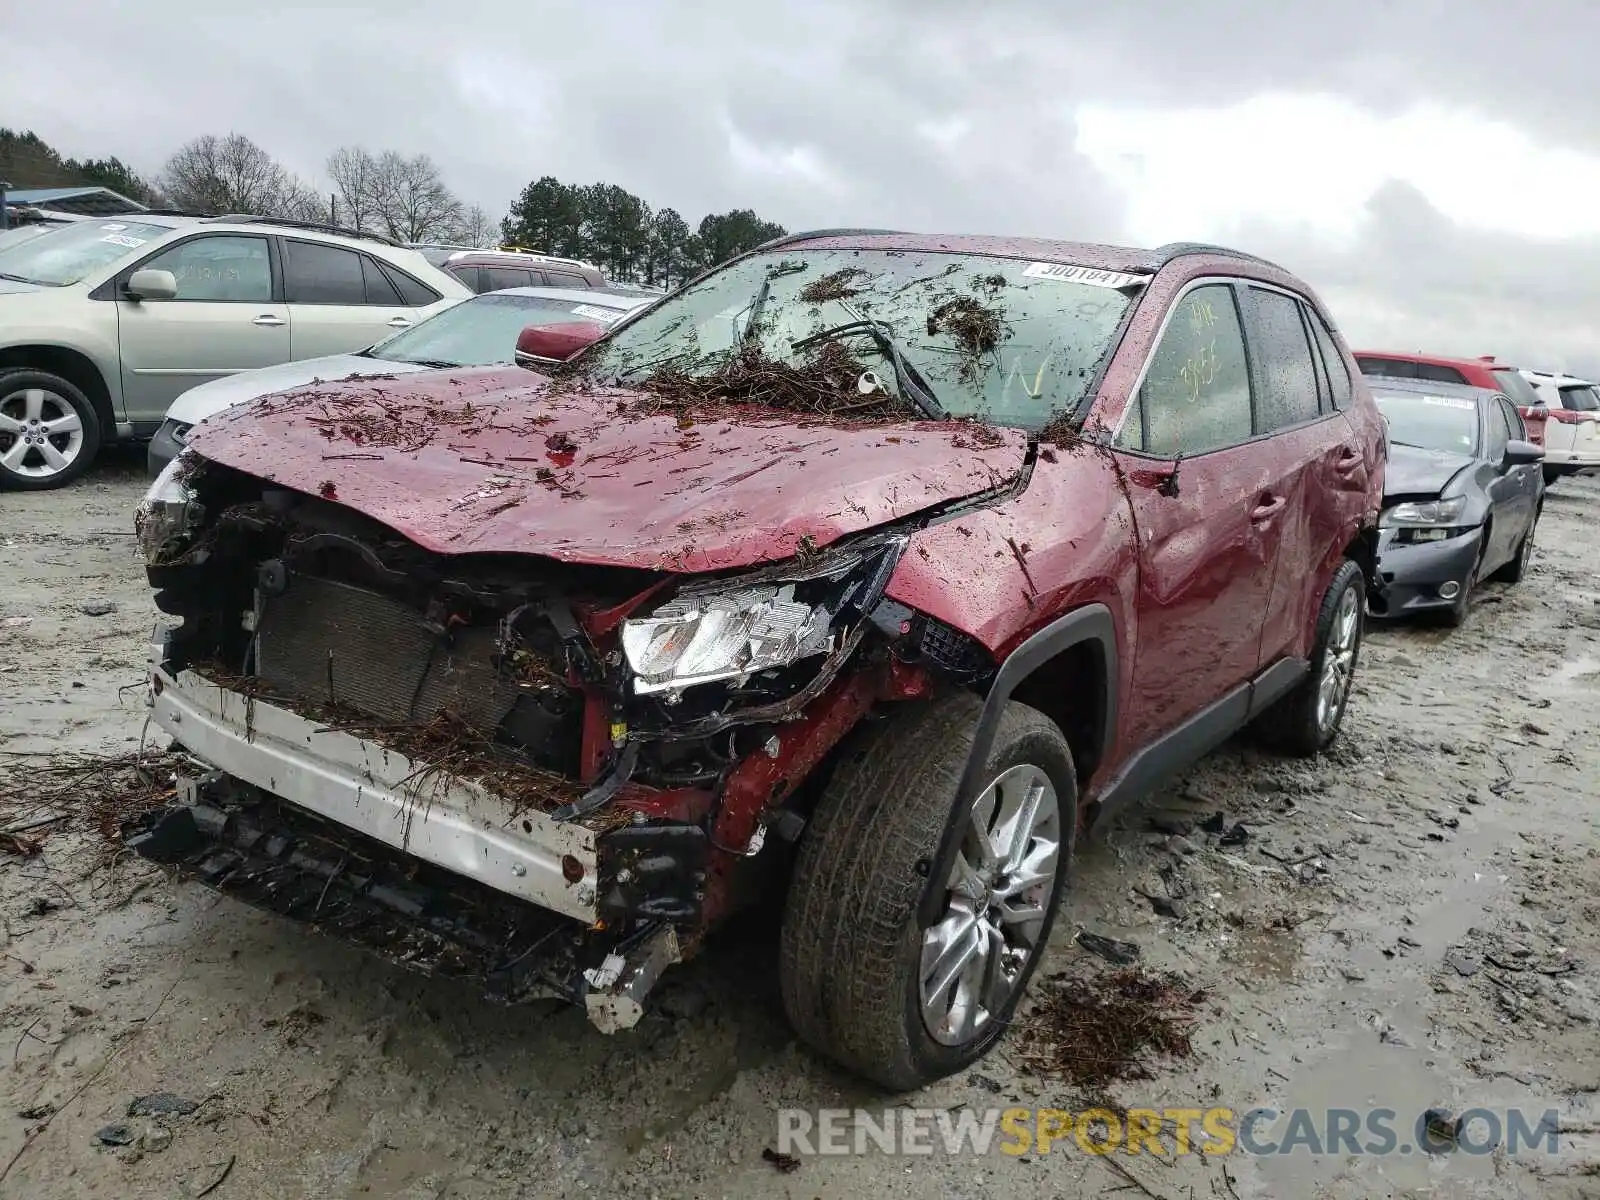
[{"x": 868, "y": 565}]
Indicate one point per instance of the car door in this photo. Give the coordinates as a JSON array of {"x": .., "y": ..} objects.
[
  {"x": 227, "y": 316},
  {"x": 1521, "y": 485},
  {"x": 1504, "y": 523},
  {"x": 1316, "y": 471},
  {"x": 340, "y": 300},
  {"x": 1196, "y": 483}
]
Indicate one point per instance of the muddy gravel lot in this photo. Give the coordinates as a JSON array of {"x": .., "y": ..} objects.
[{"x": 1411, "y": 921}]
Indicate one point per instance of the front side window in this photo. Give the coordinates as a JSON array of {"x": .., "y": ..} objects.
[
  {"x": 1288, "y": 378},
  {"x": 1439, "y": 373},
  {"x": 220, "y": 267},
  {"x": 1513, "y": 419},
  {"x": 1017, "y": 343},
  {"x": 71, "y": 253},
  {"x": 1196, "y": 393}
]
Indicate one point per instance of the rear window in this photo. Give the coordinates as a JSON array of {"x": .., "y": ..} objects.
[
  {"x": 1579, "y": 399},
  {"x": 1393, "y": 368},
  {"x": 1514, "y": 385}
]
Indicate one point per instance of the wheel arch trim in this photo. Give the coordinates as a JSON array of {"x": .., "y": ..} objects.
[{"x": 1092, "y": 624}]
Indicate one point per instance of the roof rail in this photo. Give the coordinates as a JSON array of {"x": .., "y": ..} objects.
[
  {"x": 539, "y": 254},
  {"x": 1174, "y": 250},
  {"x": 317, "y": 226},
  {"x": 807, "y": 234}
]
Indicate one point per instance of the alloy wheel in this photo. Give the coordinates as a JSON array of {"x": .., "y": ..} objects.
[
  {"x": 976, "y": 954},
  {"x": 1339, "y": 659},
  {"x": 41, "y": 434}
]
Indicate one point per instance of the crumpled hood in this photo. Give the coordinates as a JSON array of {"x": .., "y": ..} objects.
[
  {"x": 1413, "y": 471},
  {"x": 208, "y": 399},
  {"x": 492, "y": 460}
]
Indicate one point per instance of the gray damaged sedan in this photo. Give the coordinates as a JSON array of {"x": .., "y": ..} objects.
[{"x": 1461, "y": 497}]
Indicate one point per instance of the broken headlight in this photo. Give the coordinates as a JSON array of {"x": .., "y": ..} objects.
[
  {"x": 169, "y": 514},
  {"x": 1424, "y": 512},
  {"x": 740, "y": 628}
]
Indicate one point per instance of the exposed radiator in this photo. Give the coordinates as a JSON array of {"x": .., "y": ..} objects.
[{"x": 326, "y": 641}]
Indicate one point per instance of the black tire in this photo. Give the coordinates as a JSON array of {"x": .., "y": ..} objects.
[
  {"x": 851, "y": 948},
  {"x": 1293, "y": 724},
  {"x": 1517, "y": 569},
  {"x": 18, "y": 386}
]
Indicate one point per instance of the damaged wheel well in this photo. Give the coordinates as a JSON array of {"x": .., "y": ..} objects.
[{"x": 1070, "y": 689}]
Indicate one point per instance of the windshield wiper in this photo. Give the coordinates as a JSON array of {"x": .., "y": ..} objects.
[
  {"x": 18, "y": 278},
  {"x": 778, "y": 271},
  {"x": 911, "y": 383},
  {"x": 426, "y": 362}
]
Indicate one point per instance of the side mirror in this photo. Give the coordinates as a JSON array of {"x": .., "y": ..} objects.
[
  {"x": 550, "y": 345},
  {"x": 1521, "y": 454},
  {"x": 152, "y": 285}
]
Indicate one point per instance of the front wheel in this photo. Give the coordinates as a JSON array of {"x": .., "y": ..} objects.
[
  {"x": 1515, "y": 570},
  {"x": 49, "y": 431},
  {"x": 1306, "y": 721},
  {"x": 863, "y": 984}
]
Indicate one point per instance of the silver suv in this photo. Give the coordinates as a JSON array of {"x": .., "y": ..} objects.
[{"x": 103, "y": 323}]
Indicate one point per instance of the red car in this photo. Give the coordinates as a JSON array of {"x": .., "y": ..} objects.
[
  {"x": 1482, "y": 372},
  {"x": 871, "y": 566}
]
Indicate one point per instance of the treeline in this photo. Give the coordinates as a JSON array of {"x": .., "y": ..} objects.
[{"x": 407, "y": 198}]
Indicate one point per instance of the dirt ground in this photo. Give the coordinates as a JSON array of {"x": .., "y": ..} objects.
[{"x": 1412, "y": 920}]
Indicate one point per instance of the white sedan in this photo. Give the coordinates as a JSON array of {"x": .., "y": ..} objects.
[{"x": 480, "y": 332}]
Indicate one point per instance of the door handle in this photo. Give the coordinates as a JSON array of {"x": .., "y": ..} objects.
[
  {"x": 268, "y": 320},
  {"x": 1266, "y": 507},
  {"x": 1349, "y": 460},
  {"x": 399, "y": 322}
]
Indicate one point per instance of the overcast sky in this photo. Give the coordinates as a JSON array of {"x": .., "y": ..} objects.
[{"x": 1430, "y": 167}]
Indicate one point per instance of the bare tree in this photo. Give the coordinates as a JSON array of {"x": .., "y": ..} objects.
[
  {"x": 230, "y": 174},
  {"x": 414, "y": 205},
  {"x": 355, "y": 179},
  {"x": 476, "y": 228}
]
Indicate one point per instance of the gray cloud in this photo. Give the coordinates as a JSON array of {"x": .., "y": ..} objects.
[
  {"x": 927, "y": 114},
  {"x": 1414, "y": 280}
]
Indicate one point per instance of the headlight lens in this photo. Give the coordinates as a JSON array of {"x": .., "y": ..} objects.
[
  {"x": 1424, "y": 512},
  {"x": 702, "y": 638},
  {"x": 169, "y": 513}
]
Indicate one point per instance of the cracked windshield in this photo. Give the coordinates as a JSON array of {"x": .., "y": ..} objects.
[{"x": 888, "y": 333}]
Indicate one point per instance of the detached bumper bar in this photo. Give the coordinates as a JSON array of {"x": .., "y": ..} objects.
[{"x": 383, "y": 795}]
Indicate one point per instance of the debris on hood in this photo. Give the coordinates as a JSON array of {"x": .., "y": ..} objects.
[{"x": 828, "y": 382}]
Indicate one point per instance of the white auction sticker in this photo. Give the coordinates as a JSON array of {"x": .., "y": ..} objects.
[
  {"x": 122, "y": 239},
  {"x": 595, "y": 313},
  {"x": 1068, "y": 273},
  {"x": 1449, "y": 402}
]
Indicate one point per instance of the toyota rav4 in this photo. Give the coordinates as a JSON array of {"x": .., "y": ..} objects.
[{"x": 871, "y": 566}]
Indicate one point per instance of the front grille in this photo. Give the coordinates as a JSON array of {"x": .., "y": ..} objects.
[{"x": 328, "y": 642}]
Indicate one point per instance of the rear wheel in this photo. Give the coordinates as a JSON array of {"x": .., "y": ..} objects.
[
  {"x": 49, "y": 432},
  {"x": 1306, "y": 721},
  {"x": 862, "y": 983}
]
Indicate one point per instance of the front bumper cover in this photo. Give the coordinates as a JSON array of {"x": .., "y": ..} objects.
[{"x": 1410, "y": 575}]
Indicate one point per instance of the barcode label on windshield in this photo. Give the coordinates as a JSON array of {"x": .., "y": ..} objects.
[
  {"x": 1066, "y": 273},
  {"x": 595, "y": 313}
]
